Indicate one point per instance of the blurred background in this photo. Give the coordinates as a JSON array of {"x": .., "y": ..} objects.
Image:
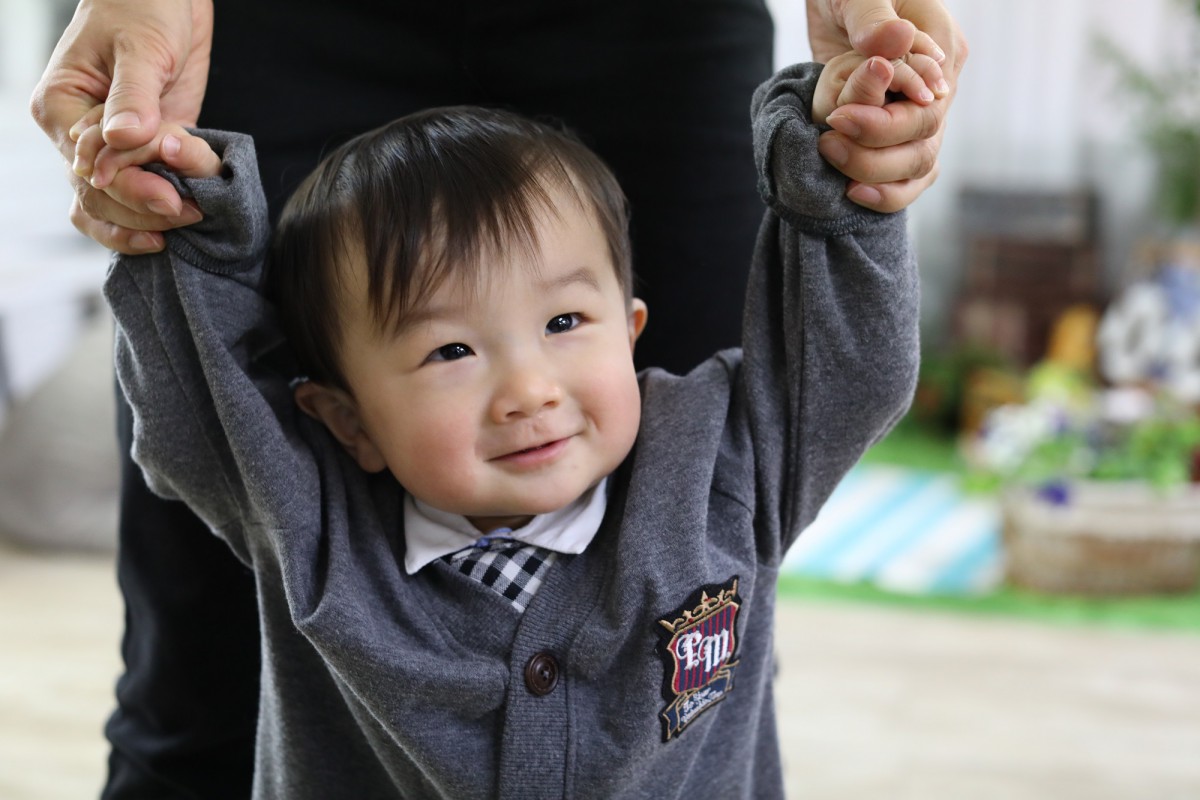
[{"x": 1000, "y": 601}]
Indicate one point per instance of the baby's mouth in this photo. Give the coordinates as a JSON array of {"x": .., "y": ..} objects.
[
  {"x": 528, "y": 452},
  {"x": 533, "y": 449}
]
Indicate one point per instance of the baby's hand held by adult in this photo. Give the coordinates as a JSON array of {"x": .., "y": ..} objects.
[{"x": 126, "y": 207}]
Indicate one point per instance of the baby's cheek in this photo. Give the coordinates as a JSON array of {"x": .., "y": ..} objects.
[
  {"x": 444, "y": 449},
  {"x": 618, "y": 395}
]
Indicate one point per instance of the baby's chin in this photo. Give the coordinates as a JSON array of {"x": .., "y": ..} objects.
[{"x": 493, "y": 523}]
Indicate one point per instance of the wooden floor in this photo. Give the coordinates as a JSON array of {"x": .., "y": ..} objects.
[
  {"x": 874, "y": 703},
  {"x": 60, "y": 623}
]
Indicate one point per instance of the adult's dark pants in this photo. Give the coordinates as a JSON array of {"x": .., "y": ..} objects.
[{"x": 660, "y": 88}]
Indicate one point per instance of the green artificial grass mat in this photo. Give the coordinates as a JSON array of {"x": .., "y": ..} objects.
[
  {"x": 1179, "y": 613},
  {"x": 910, "y": 445},
  {"x": 913, "y": 446}
]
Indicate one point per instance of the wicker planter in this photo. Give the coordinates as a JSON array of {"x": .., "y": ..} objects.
[{"x": 1105, "y": 539}]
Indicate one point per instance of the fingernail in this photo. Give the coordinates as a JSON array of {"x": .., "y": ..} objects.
[
  {"x": 189, "y": 214},
  {"x": 881, "y": 68},
  {"x": 162, "y": 206},
  {"x": 942, "y": 87},
  {"x": 122, "y": 121},
  {"x": 171, "y": 146},
  {"x": 834, "y": 150},
  {"x": 843, "y": 123},
  {"x": 80, "y": 167},
  {"x": 143, "y": 241},
  {"x": 939, "y": 55},
  {"x": 925, "y": 94},
  {"x": 865, "y": 194}
]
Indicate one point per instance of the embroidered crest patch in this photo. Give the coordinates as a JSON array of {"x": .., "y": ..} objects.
[{"x": 699, "y": 647}]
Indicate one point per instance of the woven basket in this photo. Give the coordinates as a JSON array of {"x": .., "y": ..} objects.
[{"x": 1105, "y": 539}]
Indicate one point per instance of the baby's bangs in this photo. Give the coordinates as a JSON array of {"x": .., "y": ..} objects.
[{"x": 447, "y": 216}]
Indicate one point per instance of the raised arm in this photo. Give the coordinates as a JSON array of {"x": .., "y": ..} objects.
[
  {"x": 830, "y": 341},
  {"x": 192, "y": 330}
]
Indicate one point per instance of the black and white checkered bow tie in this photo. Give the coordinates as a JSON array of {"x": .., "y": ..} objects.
[{"x": 512, "y": 569}]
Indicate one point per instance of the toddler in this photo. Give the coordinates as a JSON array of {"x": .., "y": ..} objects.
[{"x": 493, "y": 560}]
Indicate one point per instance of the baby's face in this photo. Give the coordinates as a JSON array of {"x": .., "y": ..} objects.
[{"x": 511, "y": 400}]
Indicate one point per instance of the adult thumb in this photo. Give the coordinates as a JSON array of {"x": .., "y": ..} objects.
[
  {"x": 131, "y": 111},
  {"x": 874, "y": 29}
]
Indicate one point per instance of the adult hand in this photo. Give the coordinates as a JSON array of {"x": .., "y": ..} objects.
[
  {"x": 143, "y": 63},
  {"x": 890, "y": 153}
]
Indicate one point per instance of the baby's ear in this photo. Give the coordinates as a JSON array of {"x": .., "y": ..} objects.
[
  {"x": 338, "y": 412},
  {"x": 638, "y": 314}
]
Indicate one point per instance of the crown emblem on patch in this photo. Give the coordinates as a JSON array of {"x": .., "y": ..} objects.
[{"x": 699, "y": 646}]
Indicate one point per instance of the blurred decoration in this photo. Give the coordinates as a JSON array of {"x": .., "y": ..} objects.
[
  {"x": 1098, "y": 484},
  {"x": 1067, "y": 373},
  {"x": 1120, "y": 435},
  {"x": 1150, "y": 335}
]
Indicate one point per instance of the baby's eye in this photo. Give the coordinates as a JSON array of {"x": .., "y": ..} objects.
[
  {"x": 450, "y": 352},
  {"x": 562, "y": 323}
]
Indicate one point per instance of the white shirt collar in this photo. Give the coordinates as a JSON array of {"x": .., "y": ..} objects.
[{"x": 430, "y": 533}]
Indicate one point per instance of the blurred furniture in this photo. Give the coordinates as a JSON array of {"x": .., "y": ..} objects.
[
  {"x": 1028, "y": 257},
  {"x": 58, "y": 451}
]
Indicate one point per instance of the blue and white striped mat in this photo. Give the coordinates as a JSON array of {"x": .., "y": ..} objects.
[{"x": 904, "y": 531}]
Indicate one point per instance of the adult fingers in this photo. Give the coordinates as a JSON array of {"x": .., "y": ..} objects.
[
  {"x": 160, "y": 68},
  {"x": 874, "y": 28},
  {"x": 935, "y": 24},
  {"x": 893, "y": 124},
  {"x": 98, "y": 216},
  {"x": 57, "y": 109},
  {"x": 924, "y": 44},
  {"x": 112, "y": 236},
  {"x": 131, "y": 111},
  {"x": 893, "y": 196},
  {"x": 908, "y": 161},
  {"x": 138, "y": 199}
]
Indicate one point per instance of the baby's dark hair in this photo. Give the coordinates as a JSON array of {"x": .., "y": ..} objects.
[{"x": 422, "y": 199}]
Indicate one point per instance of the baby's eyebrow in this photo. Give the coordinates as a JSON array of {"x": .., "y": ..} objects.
[
  {"x": 425, "y": 314},
  {"x": 418, "y": 316},
  {"x": 582, "y": 275}
]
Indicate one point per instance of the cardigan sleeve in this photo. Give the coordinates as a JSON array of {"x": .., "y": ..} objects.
[
  {"x": 194, "y": 342},
  {"x": 830, "y": 341}
]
